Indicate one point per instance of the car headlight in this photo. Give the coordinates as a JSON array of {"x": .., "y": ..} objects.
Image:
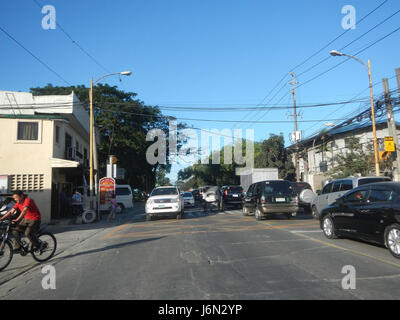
[{"x": 149, "y": 202}]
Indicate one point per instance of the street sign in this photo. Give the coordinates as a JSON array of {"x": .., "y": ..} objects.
[
  {"x": 107, "y": 190},
  {"x": 389, "y": 144}
]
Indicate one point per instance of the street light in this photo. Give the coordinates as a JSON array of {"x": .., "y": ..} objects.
[
  {"x": 123, "y": 73},
  {"x": 336, "y": 53}
]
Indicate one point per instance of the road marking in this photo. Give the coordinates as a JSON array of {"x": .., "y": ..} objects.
[
  {"x": 306, "y": 231},
  {"x": 350, "y": 250}
]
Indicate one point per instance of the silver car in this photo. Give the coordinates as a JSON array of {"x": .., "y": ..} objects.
[{"x": 337, "y": 188}]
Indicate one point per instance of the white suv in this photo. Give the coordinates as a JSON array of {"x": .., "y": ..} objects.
[{"x": 165, "y": 201}]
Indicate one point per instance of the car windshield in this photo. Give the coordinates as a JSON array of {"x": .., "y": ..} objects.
[
  {"x": 187, "y": 195},
  {"x": 164, "y": 192},
  {"x": 235, "y": 189},
  {"x": 122, "y": 191},
  {"x": 278, "y": 187},
  {"x": 300, "y": 186}
]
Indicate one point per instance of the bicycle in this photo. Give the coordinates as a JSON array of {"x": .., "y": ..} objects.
[{"x": 45, "y": 251}]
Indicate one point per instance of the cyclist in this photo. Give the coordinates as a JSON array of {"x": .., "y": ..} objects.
[{"x": 28, "y": 220}]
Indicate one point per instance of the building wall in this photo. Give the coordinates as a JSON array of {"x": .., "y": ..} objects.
[{"x": 27, "y": 163}]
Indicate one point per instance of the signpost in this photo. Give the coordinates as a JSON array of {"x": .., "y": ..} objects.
[{"x": 107, "y": 191}]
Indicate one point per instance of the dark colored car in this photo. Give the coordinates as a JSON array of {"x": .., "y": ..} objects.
[
  {"x": 303, "y": 196},
  {"x": 231, "y": 195},
  {"x": 270, "y": 197},
  {"x": 369, "y": 213},
  {"x": 196, "y": 194}
]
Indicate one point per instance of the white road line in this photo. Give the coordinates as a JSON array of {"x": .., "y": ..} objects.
[{"x": 306, "y": 231}]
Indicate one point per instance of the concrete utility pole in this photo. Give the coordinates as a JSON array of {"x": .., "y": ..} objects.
[
  {"x": 398, "y": 80},
  {"x": 392, "y": 127},
  {"x": 296, "y": 163}
]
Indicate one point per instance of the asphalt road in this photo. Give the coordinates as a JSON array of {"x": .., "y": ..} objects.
[{"x": 215, "y": 256}]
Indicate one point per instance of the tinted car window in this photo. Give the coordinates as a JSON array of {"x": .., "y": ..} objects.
[
  {"x": 187, "y": 195},
  {"x": 278, "y": 187},
  {"x": 357, "y": 196},
  {"x": 380, "y": 195},
  {"x": 327, "y": 188},
  {"x": 122, "y": 191},
  {"x": 298, "y": 187},
  {"x": 257, "y": 189},
  {"x": 346, "y": 185},
  {"x": 372, "y": 180},
  {"x": 251, "y": 188},
  {"x": 234, "y": 189},
  {"x": 336, "y": 186},
  {"x": 164, "y": 192}
]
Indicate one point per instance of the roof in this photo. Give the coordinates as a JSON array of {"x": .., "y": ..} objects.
[{"x": 343, "y": 128}]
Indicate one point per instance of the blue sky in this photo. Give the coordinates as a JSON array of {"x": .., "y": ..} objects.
[{"x": 204, "y": 53}]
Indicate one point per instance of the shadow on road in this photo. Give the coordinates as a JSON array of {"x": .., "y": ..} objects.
[{"x": 112, "y": 247}]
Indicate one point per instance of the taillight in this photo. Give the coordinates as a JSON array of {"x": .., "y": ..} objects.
[
  {"x": 226, "y": 192},
  {"x": 262, "y": 199}
]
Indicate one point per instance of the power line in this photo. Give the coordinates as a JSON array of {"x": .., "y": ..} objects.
[
  {"x": 33, "y": 55},
  {"x": 76, "y": 43}
]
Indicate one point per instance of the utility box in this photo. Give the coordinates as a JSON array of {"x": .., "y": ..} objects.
[{"x": 250, "y": 176}]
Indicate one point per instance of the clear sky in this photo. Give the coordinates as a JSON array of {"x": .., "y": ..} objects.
[{"x": 205, "y": 54}]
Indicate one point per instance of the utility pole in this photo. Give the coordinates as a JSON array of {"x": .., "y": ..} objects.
[
  {"x": 392, "y": 127},
  {"x": 296, "y": 164},
  {"x": 398, "y": 80}
]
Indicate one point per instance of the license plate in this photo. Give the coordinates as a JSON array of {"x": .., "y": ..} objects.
[
  {"x": 235, "y": 195},
  {"x": 280, "y": 200},
  {"x": 161, "y": 206}
]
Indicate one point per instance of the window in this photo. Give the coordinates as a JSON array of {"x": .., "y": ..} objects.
[
  {"x": 380, "y": 195},
  {"x": 372, "y": 180},
  {"x": 28, "y": 131},
  {"x": 250, "y": 190},
  {"x": 278, "y": 187},
  {"x": 77, "y": 146},
  {"x": 327, "y": 188},
  {"x": 358, "y": 196},
  {"x": 336, "y": 186},
  {"x": 257, "y": 189},
  {"x": 57, "y": 134},
  {"x": 346, "y": 185},
  {"x": 122, "y": 191},
  {"x": 162, "y": 192}
]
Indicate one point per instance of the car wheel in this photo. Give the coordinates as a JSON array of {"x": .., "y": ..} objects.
[
  {"x": 121, "y": 208},
  {"x": 149, "y": 217},
  {"x": 328, "y": 227},
  {"x": 258, "y": 214},
  {"x": 289, "y": 216},
  {"x": 245, "y": 212},
  {"x": 314, "y": 212},
  {"x": 392, "y": 239}
]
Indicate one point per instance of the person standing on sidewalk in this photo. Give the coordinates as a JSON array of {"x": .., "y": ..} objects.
[
  {"x": 113, "y": 208},
  {"x": 28, "y": 220},
  {"x": 76, "y": 203}
]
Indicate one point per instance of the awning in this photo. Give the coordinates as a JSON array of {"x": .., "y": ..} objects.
[{"x": 62, "y": 163}]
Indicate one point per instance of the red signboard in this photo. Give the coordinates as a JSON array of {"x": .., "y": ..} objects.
[{"x": 107, "y": 190}]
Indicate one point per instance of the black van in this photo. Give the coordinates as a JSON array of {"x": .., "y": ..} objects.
[{"x": 270, "y": 197}]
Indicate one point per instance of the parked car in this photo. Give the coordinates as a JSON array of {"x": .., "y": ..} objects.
[
  {"x": 369, "y": 213},
  {"x": 165, "y": 201},
  {"x": 337, "y": 188},
  {"x": 188, "y": 199},
  {"x": 270, "y": 197},
  {"x": 211, "y": 198},
  {"x": 124, "y": 196},
  {"x": 231, "y": 195},
  {"x": 305, "y": 195}
]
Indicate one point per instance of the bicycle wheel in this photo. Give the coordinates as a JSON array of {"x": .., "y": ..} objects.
[
  {"x": 47, "y": 247},
  {"x": 6, "y": 254}
]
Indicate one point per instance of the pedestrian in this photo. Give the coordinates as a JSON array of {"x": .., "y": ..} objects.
[
  {"x": 76, "y": 203},
  {"x": 113, "y": 208}
]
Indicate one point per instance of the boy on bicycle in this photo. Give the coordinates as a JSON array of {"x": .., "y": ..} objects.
[{"x": 28, "y": 220}]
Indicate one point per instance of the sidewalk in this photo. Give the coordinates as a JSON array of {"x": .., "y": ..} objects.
[{"x": 67, "y": 235}]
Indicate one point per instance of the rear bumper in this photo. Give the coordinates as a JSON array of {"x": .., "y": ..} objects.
[{"x": 279, "y": 208}]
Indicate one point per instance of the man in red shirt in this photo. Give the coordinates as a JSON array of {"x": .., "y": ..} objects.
[{"x": 28, "y": 220}]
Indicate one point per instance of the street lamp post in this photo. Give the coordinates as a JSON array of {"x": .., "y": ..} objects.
[
  {"x": 368, "y": 66},
  {"x": 124, "y": 73}
]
